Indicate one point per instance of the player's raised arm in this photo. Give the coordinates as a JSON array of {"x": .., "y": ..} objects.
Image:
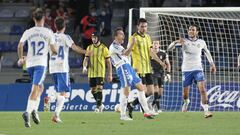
[
  {"x": 131, "y": 43},
  {"x": 174, "y": 44},
  {"x": 78, "y": 49},
  {"x": 210, "y": 59}
]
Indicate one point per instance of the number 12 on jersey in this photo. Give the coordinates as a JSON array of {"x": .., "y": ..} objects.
[{"x": 37, "y": 47}]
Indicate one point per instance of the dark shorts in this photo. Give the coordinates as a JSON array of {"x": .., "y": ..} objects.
[
  {"x": 93, "y": 82},
  {"x": 147, "y": 79},
  {"x": 158, "y": 81}
]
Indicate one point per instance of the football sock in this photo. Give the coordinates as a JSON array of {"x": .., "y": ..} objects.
[
  {"x": 99, "y": 97},
  {"x": 143, "y": 101},
  {"x": 94, "y": 93},
  {"x": 37, "y": 104},
  {"x": 30, "y": 106},
  {"x": 59, "y": 105},
  {"x": 123, "y": 104}
]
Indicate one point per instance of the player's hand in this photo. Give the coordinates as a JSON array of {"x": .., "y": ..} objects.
[
  {"x": 213, "y": 68},
  {"x": 163, "y": 64},
  {"x": 133, "y": 41},
  {"x": 167, "y": 78},
  {"x": 84, "y": 70},
  {"x": 109, "y": 79},
  {"x": 180, "y": 41},
  {"x": 21, "y": 61}
]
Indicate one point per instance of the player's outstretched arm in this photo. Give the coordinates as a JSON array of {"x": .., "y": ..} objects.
[
  {"x": 78, "y": 49},
  {"x": 85, "y": 64},
  {"x": 210, "y": 59}
]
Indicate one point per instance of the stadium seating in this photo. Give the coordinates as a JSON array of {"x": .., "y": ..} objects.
[{"x": 6, "y": 13}]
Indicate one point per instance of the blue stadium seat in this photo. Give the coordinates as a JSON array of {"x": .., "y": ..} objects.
[
  {"x": 3, "y": 45},
  {"x": 17, "y": 30},
  {"x": 22, "y": 13},
  {"x": 7, "y": 46},
  {"x": 4, "y": 29},
  {"x": 6, "y": 13}
]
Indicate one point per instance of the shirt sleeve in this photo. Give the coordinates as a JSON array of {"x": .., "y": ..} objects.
[
  {"x": 88, "y": 48},
  {"x": 69, "y": 41},
  {"x": 149, "y": 41},
  {"x": 207, "y": 52},
  {"x": 106, "y": 53}
]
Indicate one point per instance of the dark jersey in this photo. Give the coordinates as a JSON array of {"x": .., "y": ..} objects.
[{"x": 156, "y": 67}]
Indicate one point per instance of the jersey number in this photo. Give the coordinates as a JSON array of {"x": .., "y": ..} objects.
[
  {"x": 60, "y": 53},
  {"x": 37, "y": 49}
]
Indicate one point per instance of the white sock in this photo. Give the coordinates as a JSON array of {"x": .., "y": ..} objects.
[
  {"x": 186, "y": 101},
  {"x": 205, "y": 107},
  {"x": 143, "y": 101},
  {"x": 30, "y": 106},
  {"x": 123, "y": 105},
  {"x": 59, "y": 105},
  {"x": 37, "y": 104}
]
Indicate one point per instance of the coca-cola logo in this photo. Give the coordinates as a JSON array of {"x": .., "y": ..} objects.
[{"x": 223, "y": 98}]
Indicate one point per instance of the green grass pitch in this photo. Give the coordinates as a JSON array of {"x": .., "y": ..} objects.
[{"x": 108, "y": 123}]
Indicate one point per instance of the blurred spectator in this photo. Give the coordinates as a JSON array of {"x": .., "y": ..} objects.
[
  {"x": 38, "y": 3},
  {"x": 105, "y": 18},
  {"x": 49, "y": 21},
  {"x": 81, "y": 10},
  {"x": 175, "y": 3},
  {"x": 89, "y": 25}
]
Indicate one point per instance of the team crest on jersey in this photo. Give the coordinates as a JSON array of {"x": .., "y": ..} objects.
[{"x": 198, "y": 45}]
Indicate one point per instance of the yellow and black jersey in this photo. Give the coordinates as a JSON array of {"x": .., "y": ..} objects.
[
  {"x": 140, "y": 53},
  {"x": 97, "y": 64}
]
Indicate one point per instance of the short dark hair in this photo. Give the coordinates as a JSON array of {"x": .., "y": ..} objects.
[
  {"x": 59, "y": 23},
  {"x": 115, "y": 33},
  {"x": 141, "y": 20},
  {"x": 195, "y": 25},
  {"x": 38, "y": 14}
]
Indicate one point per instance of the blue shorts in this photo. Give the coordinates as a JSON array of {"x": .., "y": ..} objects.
[
  {"x": 37, "y": 74},
  {"x": 61, "y": 82},
  {"x": 127, "y": 76},
  {"x": 192, "y": 76}
]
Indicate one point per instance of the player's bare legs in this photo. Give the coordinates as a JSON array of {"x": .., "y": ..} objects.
[
  {"x": 186, "y": 100},
  {"x": 204, "y": 99}
]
